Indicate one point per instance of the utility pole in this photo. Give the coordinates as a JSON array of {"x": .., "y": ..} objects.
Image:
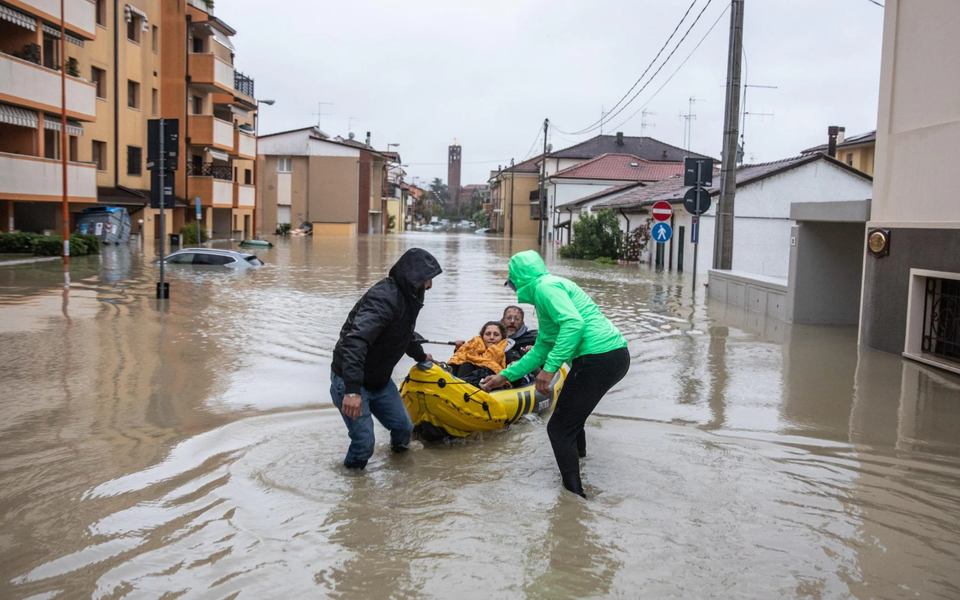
[
  {"x": 543, "y": 182},
  {"x": 723, "y": 235},
  {"x": 511, "y": 197}
]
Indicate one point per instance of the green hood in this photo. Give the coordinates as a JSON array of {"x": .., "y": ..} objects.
[{"x": 526, "y": 268}]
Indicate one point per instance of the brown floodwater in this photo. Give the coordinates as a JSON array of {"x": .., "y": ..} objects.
[{"x": 192, "y": 451}]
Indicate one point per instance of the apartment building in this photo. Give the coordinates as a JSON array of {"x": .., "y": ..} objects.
[
  {"x": 127, "y": 62},
  {"x": 217, "y": 111},
  {"x": 31, "y": 176},
  {"x": 911, "y": 274},
  {"x": 513, "y": 198}
]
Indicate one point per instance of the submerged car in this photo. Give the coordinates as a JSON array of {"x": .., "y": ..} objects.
[{"x": 212, "y": 257}]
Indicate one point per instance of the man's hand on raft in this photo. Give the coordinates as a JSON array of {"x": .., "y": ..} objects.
[
  {"x": 493, "y": 382},
  {"x": 545, "y": 382}
]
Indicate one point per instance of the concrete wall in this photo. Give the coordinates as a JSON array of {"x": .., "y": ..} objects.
[
  {"x": 918, "y": 124},
  {"x": 826, "y": 268},
  {"x": 755, "y": 293}
]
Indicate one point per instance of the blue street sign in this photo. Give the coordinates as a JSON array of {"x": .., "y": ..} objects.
[
  {"x": 695, "y": 231},
  {"x": 661, "y": 232},
  {"x": 198, "y": 208}
]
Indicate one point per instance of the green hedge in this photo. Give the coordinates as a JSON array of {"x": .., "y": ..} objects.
[
  {"x": 48, "y": 245},
  {"x": 188, "y": 234}
]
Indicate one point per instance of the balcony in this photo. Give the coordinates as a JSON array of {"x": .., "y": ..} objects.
[
  {"x": 32, "y": 178},
  {"x": 80, "y": 16},
  {"x": 207, "y": 130},
  {"x": 243, "y": 85},
  {"x": 37, "y": 87},
  {"x": 244, "y": 196},
  {"x": 202, "y": 6},
  {"x": 211, "y": 183},
  {"x": 245, "y": 145},
  {"x": 211, "y": 73}
]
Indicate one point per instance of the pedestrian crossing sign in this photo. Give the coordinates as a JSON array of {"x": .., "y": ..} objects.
[{"x": 661, "y": 233}]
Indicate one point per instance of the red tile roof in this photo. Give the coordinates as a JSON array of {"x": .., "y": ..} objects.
[
  {"x": 607, "y": 192},
  {"x": 626, "y": 167},
  {"x": 672, "y": 189}
]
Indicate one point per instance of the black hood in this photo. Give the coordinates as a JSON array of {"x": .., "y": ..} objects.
[{"x": 413, "y": 270}]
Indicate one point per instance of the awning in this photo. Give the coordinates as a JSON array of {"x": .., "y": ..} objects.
[
  {"x": 240, "y": 111},
  {"x": 222, "y": 39},
  {"x": 53, "y": 31},
  {"x": 53, "y": 122},
  {"x": 130, "y": 11},
  {"x": 218, "y": 154},
  {"x": 18, "y": 18},
  {"x": 21, "y": 117}
]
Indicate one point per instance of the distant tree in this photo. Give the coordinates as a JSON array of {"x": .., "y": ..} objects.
[
  {"x": 439, "y": 190},
  {"x": 438, "y": 211}
]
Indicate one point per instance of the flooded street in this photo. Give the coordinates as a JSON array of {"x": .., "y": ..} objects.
[{"x": 193, "y": 451}]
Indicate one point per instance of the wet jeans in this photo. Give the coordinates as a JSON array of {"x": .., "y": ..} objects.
[
  {"x": 387, "y": 406},
  {"x": 591, "y": 376}
]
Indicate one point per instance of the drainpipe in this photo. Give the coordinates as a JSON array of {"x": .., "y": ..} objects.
[
  {"x": 116, "y": 96},
  {"x": 627, "y": 219},
  {"x": 186, "y": 118}
]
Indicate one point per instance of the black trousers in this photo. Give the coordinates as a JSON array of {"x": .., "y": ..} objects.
[{"x": 591, "y": 376}]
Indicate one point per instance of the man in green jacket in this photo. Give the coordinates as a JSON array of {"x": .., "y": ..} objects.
[{"x": 574, "y": 331}]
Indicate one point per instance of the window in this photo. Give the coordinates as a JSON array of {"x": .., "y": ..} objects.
[
  {"x": 941, "y": 331},
  {"x": 184, "y": 258},
  {"x": 51, "y": 52},
  {"x": 283, "y": 164},
  {"x": 134, "y": 25},
  {"x": 534, "y": 211},
  {"x": 247, "y": 176},
  {"x": 74, "y": 143},
  {"x": 212, "y": 259},
  {"x": 198, "y": 45},
  {"x": 100, "y": 155},
  {"x": 235, "y": 174},
  {"x": 134, "y": 160},
  {"x": 197, "y": 105},
  {"x": 133, "y": 94},
  {"x": 850, "y": 159},
  {"x": 101, "y": 13},
  {"x": 155, "y": 99},
  {"x": 99, "y": 78},
  {"x": 155, "y": 38}
]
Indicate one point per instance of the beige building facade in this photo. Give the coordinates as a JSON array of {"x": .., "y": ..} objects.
[
  {"x": 911, "y": 281},
  {"x": 513, "y": 192}
]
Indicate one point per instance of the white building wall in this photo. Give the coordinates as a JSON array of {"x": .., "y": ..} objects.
[
  {"x": 299, "y": 143},
  {"x": 762, "y": 224}
]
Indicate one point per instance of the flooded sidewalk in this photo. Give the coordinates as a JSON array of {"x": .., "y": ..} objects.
[{"x": 193, "y": 451}]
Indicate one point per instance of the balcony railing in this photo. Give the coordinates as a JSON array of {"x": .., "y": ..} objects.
[
  {"x": 223, "y": 172},
  {"x": 243, "y": 84},
  {"x": 23, "y": 79}
]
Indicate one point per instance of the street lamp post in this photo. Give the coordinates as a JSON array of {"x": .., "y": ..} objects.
[{"x": 256, "y": 162}]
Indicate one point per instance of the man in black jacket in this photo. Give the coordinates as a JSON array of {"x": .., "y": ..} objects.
[
  {"x": 523, "y": 339},
  {"x": 378, "y": 331}
]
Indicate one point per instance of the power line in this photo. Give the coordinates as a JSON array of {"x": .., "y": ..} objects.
[
  {"x": 474, "y": 162},
  {"x": 703, "y": 39},
  {"x": 639, "y": 79},
  {"x": 533, "y": 145},
  {"x": 664, "y": 63},
  {"x": 875, "y": 2}
]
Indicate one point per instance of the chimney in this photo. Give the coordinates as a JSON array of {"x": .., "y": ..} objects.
[
  {"x": 841, "y": 135},
  {"x": 834, "y": 136},
  {"x": 619, "y": 138},
  {"x": 368, "y": 138}
]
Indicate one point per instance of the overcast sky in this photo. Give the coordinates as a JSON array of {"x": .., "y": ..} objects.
[{"x": 487, "y": 72}]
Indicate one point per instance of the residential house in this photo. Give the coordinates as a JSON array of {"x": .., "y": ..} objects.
[
  {"x": 373, "y": 184},
  {"x": 857, "y": 151},
  {"x": 911, "y": 275},
  {"x": 578, "y": 187},
  {"x": 765, "y": 193},
  {"x": 515, "y": 210},
  {"x": 649, "y": 152}
]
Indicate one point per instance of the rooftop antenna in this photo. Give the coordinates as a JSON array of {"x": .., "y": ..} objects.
[
  {"x": 603, "y": 115},
  {"x": 746, "y": 113},
  {"x": 688, "y": 124},
  {"x": 350, "y": 121},
  {"x": 643, "y": 122},
  {"x": 320, "y": 112}
]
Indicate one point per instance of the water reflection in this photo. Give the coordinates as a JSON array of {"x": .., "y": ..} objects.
[{"x": 189, "y": 446}]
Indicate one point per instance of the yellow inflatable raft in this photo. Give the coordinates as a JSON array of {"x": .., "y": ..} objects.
[{"x": 441, "y": 405}]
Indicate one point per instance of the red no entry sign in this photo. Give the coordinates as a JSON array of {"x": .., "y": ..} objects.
[{"x": 662, "y": 211}]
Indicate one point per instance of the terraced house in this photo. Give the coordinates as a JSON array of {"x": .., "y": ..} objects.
[{"x": 127, "y": 62}]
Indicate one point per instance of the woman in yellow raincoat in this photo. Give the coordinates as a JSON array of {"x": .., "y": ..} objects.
[{"x": 482, "y": 355}]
